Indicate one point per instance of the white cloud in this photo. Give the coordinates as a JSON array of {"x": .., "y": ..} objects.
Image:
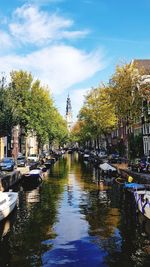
[
  {"x": 5, "y": 41},
  {"x": 77, "y": 100},
  {"x": 33, "y": 26},
  {"x": 58, "y": 66}
]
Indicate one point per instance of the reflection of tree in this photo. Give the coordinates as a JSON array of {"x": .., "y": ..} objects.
[
  {"x": 117, "y": 235},
  {"x": 101, "y": 217},
  {"x": 35, "y": 222},
  {"x": 109, "y": 220},
  {"x": 5, "y": 227},
  {"x": 129, "y": 248}
]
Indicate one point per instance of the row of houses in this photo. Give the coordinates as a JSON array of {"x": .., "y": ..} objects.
[
  {"x": 139, "y": 128},
  {"x": 16, "y": 143},
  {"x": 12, "y": 146}
]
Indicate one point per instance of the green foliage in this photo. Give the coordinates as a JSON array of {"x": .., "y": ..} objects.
[
  {"x": 97, "y": 114},
  {"x": 26, "y": 103},
  {"x": 20, "y": 87},
  {"x": 125, "y": 93},
  {"x": 46, "y": 121},
  {"x": 7, "y": 113}
]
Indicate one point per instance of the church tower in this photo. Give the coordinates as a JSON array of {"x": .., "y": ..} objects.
[{"x": 69, "y": 118}]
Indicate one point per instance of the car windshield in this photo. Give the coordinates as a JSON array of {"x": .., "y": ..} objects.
[
  {"x": 21, "y": 158},
  {"x": 33, "y": 155}
]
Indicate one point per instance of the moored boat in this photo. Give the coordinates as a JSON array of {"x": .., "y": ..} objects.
[
  {"x": 132, "y": 187},
  {"x": 86, "y": 156},
  {"x": 34, "y": 174},
  {"x": 142, "y": 198},
  {"x": 8, "y": 201},
  {"x": 48, "y": 164}
]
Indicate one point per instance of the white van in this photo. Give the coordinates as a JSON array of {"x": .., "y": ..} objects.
[{"x": 33, "y": 157}]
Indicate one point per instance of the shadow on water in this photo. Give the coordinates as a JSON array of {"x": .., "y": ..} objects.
[
  {"x": 5, "y": 231},
  {"x": 74, "y": 218}
]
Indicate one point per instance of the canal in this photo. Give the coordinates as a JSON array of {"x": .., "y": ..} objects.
[{"x": 71, "y": 219}]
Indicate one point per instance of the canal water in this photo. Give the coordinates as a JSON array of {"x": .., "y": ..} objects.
[{"x": 74, "y": 219}]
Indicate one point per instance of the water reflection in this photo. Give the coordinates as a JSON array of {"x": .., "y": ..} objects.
[
  {"x": 6, "y": 227},
  {"x": 33, "y": 196},
  {"x": 74, "y": 218},
  {"x": 82, "y": 218}
]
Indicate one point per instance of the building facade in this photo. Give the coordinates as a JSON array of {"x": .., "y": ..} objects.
[
  {"x": 144, "y": 66},
  {"x": 140, "y": 127}
]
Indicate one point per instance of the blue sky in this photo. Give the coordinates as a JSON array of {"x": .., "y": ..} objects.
[{"x": 72, "y": 45}]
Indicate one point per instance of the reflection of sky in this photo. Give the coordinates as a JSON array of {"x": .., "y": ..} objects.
[
  {"x": 72, "y": 245},
  {"x": 71, "y": 223}
]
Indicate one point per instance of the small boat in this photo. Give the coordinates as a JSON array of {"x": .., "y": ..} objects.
[
  {"x": 8, "y": 202},
  {"x": 142, "y": 198},
  {"x": 48, "y": 164},
  {"x": 86, "y": 156},
  {"x": 134, "y": 186},
  {"x": 37, "y": 173}
]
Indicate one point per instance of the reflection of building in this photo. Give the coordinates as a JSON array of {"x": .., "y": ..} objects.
[
  {"x": 69, "y": 118},
  {"x": 33, "y": 196}
]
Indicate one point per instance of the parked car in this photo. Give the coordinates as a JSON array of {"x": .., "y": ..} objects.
[
  {"x": 21, "y": 161},
  {"x": 7, "y": 164},
  {"x": 33, "y": 157}
]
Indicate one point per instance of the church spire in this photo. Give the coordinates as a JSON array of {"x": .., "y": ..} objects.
[
  {"x": 69, "y": 113},
  {"x": 68, "y": 106}
]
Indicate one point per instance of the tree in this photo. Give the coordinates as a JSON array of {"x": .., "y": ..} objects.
[
  {"x": 46, "y": 121},
  {"x": 125, "y": 93},
  {"x": 40, "y": 111},
  {"x": 20, "y": 91},
  {"x": 98, "y": 112},
  {"x": 126, "y": 96},
  {"x": 58, "y": 129},
  {"x": 8, "y": 117}
]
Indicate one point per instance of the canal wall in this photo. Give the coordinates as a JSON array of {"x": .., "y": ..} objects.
[
  {"x": 138, "y": 177},
  {"x": 8, "y": 179}
]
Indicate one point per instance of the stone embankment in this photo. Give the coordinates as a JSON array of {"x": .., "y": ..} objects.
[{"x": 8, "y": 179}]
